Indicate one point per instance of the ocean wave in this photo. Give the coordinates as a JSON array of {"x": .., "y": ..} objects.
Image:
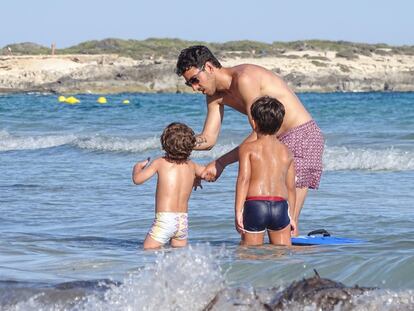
[
  {"x": 118, "y": 144},
  {"x": 344, "y": 158},
  {"x": 184, "y": 279},
  {"x": 12, "y": 142},
  {"x": 335, "y": 158},
  {"x": 192, "y": 279},
  {"x": 104, "y": 143},
  {"x": 187, "y": 279},
  {"x": 390, "y": 159}
]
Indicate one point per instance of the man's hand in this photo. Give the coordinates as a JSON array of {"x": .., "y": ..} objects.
[
  {"x": 212, "y": 171},
  {"x": 239, "y": 222},
  {"x": 197, "y": 183}
]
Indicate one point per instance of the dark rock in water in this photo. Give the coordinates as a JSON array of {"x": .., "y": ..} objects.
[
  {"x": 322, "y": 294},
  {"x": 62, "y": 296}
]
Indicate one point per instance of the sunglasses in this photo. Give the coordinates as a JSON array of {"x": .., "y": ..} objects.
[{"x": 194, "y": 80}]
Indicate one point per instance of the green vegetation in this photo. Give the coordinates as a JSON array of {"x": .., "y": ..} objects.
[
  {"x": 319, "y": 64},
  {"x": 170, "y": 48},
  {"x": 167, "y": 48},
  {"x": 348, "y": 54},
  {"x": 26, "y": 48},
  {"x": 344, "y": 68}
]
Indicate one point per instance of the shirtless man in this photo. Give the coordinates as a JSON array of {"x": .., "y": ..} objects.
[{"x": 238, "y": 87}]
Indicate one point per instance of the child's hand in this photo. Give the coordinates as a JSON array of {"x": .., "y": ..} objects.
[
  {"x": 141, "y": 165},
  {"x": 293, "y": 228},
  {"x": 197, "y": 183},
  {"x": 239, "y": 222}
]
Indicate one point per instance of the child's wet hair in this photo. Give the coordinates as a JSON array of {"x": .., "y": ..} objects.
[
  {"x": 268, "y": 113},
  {"x": 178, "y": 140}
]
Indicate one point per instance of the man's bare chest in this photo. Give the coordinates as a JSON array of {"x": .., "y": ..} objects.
[{"x": 235, "y": 102}]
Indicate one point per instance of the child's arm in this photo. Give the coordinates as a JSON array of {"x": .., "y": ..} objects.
[
  {"x": 291, "y": 188},
  {"x": 141, "y": 173},
  {"x": 242, "y": 186}
]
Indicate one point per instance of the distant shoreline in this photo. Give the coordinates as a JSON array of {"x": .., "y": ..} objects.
[{"x": 322, "y": 67}]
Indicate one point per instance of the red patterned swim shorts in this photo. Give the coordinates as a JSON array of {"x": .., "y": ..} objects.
[{"x": 306, "y": 142}]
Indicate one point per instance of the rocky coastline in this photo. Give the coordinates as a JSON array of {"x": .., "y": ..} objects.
[{"x": 304, "y": 71}]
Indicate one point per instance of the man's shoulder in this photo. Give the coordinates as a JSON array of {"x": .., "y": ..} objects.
[
  {"x": 249, "y": 74},
  {"x": 248, "y": 70}
]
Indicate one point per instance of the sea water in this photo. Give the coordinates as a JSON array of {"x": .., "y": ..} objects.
[{"x": 72, "y": 223}]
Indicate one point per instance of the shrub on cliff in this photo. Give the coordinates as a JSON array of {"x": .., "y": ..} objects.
[
  {"x": 348, "y": 54},
  {"x": 26, "y": 48}
]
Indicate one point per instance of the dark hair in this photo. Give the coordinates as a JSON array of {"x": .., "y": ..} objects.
[
  {"x": 178, "y": 140},
  {"x": 268, "y": 114},
  {"x": 195, "y": 56}
]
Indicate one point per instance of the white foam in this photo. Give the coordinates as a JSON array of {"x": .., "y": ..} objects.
[
  {"x": 343, "y": 158},
  {"x": 335, "y": 158},
  {"x": 390, "y": 159},
  {"x": 189, "y": 279},
  {"x": 118, "y": 144},
  {"x": 384, "y": 300},
  {"x": 11, "y": 142},
  {"x": 186, "y": 279}
]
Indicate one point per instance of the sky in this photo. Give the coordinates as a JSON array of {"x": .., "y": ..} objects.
[{"x": 68, "y": 23}]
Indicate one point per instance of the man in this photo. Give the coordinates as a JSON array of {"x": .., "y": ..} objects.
[{"x": 238, "y": 87}]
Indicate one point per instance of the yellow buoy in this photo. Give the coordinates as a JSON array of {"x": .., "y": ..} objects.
[
  {"x": 126, "y": 101},
  {"x": 72, "y": 100},
  {"x": 61, "y": 99},
  {"x": 102, "y": 100}
]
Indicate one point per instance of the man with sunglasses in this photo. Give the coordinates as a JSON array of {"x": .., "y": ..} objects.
[{"x": 238, "y": 87}]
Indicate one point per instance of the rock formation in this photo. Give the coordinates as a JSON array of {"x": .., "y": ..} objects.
[{"x": 305, "y": 71}]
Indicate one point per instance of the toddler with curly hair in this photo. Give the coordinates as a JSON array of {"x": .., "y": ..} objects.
[{"x": 177, "y": 175}]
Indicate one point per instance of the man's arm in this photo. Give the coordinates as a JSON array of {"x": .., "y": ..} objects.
[
  {"x": 199, "y": 169},
  {"x": 242, "y": 187},
  {"x": 215, "y": 112},
  {"x": 214, "y": 169},
  {"x": 249, "y": 90},
  {"x": 141, "y": 173}
]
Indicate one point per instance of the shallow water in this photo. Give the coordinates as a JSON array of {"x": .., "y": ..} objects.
[{"x": 69, "y": 211}]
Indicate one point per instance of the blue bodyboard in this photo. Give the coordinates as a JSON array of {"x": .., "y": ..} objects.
[{"x": 326, "y": 239}]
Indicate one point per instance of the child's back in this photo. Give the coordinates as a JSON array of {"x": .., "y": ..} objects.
[
  {"x": 270, "y": 161},
  {"x": 174, "y": 185}
]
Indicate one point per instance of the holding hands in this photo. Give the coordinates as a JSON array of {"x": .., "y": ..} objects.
[{"x": 212, "y": 171}]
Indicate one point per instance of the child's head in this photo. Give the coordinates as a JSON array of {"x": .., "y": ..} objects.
[
  {"x": 178, "y": 140},
  {"x": 268, "y": 113}
]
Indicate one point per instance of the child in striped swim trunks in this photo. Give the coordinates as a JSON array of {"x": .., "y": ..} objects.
[{"x": 177, "y": 175}]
